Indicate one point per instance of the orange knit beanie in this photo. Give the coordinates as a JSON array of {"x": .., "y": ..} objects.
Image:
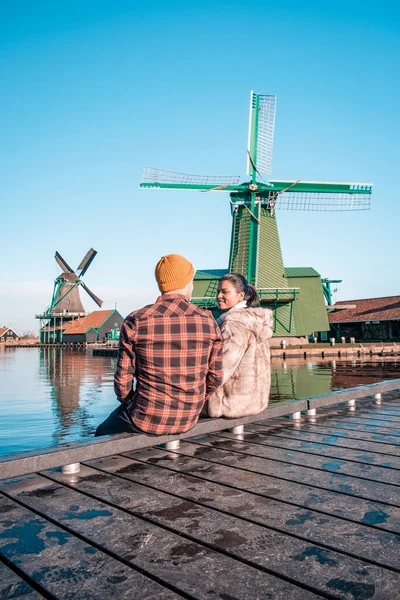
[{"x": 173, "y": 272}]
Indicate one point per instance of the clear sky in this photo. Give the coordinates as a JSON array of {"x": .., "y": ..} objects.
[{"x": 93, "y": 91}]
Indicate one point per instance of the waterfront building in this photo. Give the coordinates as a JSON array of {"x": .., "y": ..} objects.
[
  {"x": 95, "y": 327},
  {"x": 8, "y": 335},
  {"x": 367, "y": 320}
]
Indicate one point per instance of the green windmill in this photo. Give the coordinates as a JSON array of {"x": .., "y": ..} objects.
[{"x": 295, "y": 293}]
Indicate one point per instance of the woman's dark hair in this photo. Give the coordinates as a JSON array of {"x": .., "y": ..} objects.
[{"x": 241, "y": 284}]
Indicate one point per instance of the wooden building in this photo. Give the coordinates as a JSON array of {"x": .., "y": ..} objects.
[
  {"x": 94, "y": 327},
  {"x": 8, "y": 335},
  {"x": 367, "y": 320}
]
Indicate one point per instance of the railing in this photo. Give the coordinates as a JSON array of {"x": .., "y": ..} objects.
[
  {"x": 272, "y": 295},
  {"x": 70, "y": 455},
  {"x": 278, "y": 294}
]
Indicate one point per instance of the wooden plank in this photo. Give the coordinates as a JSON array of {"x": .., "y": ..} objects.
[
  {"x": 318, "y": 448},
  {"x": 279, "y": 553},
  {"x": 385, "y": 451},
  {"x": 361, "y": 416},
  {"x": 13, "y": 586},
  {"x": 74, "y": 452},
  {"x": 335, "y": 429},
  {"x": 65, "y": 566},
  {"x": 159, "y": 500},
  {"x": 383, "y": 412},
  {"x": 358, "y": 425},
  {"x": 368, "y": 418},
  {"x": 31, "y": 462},
  {"x": 362, "y": 411},
  {"x": 285, "y": 457},
  {"x": 371, "y": 490},
  {"x": 195, "y": 569},
  {"x": 186, "y": 469},
  {"x": 393, "y": 418}
]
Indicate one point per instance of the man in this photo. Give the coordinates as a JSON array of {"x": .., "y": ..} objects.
[{"x": 174, "y": 351}]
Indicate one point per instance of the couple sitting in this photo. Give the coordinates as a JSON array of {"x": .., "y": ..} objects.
[{"x": 183, "y": 363}]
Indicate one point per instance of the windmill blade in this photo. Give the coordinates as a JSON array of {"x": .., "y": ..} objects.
[
  {"x": 93, "y": 296},
  {"x": 157, "y": 178},
  {"x": 261, "y": 134},
  {"x": 63, "y": 263},
  {"x": 86, "y": 261},
  {"x": 321, "y": 195}
]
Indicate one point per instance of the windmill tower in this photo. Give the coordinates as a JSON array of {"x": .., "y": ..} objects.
[
  {"x": 255, "y": 249},
  {"x": 66, "y": 303}
]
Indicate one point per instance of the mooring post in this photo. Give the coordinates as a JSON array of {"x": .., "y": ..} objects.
[
  {"x": 296, "y": 416},
  {"x": 351, "y": 404},
  {"x": 378, "y": 398},
  {"x": 172, "y": 445},
  {"x": 237, "y": 430},
  {"x": 311, "y": 412},
  {"x": 70, "y": 469}
]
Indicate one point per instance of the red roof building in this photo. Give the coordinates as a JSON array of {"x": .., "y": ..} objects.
[
  {"x": 369, "y": 319},
  {"x": 94, "y": 327},
  {"x": 8, "y": 335}
]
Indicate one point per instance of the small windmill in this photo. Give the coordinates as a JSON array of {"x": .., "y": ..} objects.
[
  {"x": 66, "y": 303},
  {"x": 255, "y": 249}
]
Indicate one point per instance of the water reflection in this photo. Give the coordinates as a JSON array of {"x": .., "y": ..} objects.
[
  {"x": 76, "y": 381},
  {"x": 50, "y": 396},
  {"x": 294, "y": 379}
]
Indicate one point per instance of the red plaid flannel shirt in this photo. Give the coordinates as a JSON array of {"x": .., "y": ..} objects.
[{"x": 174, "y": 351}]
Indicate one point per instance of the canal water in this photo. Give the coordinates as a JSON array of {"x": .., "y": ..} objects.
[{"x": 51, "y": 396}]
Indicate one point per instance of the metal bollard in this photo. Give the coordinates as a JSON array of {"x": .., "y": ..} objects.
[
  {"x": 343, "y": 340},
  {"x": 351, "y": 404},
  {"x": 172, "y": 445},
  {"x": 283, "y": 344},
  {"x": 237, "y": 430},
  {"x": 311, "y": 412},
  {"x": 352, "y": 340},
  {"x": 378, "y": 398},
  {"x": 70, "y": 469},
  {"x": 296, "y": 416},
  {"x": 332, "y": 341}
]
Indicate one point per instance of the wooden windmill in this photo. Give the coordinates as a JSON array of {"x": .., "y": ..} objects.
[
  {"x": 255, "y": 249},
  {"x": 66, "y": 303}
]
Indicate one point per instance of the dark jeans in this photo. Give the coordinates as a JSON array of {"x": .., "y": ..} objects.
[{"x": 119, "y": 421}]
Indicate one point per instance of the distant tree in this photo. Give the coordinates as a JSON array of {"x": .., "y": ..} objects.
[{"x": 28, "y": 335}]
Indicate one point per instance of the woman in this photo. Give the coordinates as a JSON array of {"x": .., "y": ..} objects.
[{"x": 246, "y": 330}]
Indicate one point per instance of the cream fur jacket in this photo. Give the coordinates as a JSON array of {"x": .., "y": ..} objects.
[{"x": 246, "y": 361}]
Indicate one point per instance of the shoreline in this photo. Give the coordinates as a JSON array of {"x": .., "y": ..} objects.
[{"x": 305, "y": 351}]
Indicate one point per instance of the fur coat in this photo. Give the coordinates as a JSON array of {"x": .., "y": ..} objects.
[{"x": 246, "y": 361}]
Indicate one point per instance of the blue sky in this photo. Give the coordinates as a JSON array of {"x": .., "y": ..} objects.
[{"x": 93, "y": 91}]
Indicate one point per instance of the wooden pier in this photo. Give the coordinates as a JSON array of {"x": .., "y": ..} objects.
[
  {"x": 290, "y": 509},
  {"x": 315, "y": 351}
]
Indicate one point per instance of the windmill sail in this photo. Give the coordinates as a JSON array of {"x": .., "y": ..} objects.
[
  {"x": 261, "y": 134},
  {"x": 169, "y": 179},
  {"x": 321, "y": 196},
  {"x": 86, "y": 261},
  {"x": 63, "y": 263},
  {"x": 91, "y": 294}
]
